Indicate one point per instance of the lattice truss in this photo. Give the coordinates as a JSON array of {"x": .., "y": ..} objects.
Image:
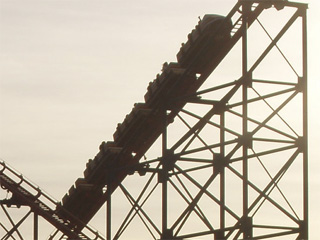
[
  {"x": 232, "y": 162},
  {"x": 35, "y": 216}
]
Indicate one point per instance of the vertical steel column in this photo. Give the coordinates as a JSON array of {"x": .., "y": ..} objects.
[
  {"x": 305, "y": 230},
  {"x": 108, "y": 227},
  {"x": 222, "y": 176},
  {"x": 35, "y": 226},
  {"x": 164, "y": 178},
  {"x": 246, "y": 7}
]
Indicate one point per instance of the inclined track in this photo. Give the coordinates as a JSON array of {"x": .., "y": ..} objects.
[{"x": 116, "y": 159}]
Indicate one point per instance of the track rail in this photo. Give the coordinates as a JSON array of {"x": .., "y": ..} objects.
[
  {"x": 25, "y": 193},
  {"x": 166, "y": 95},
  {"x": 170, "y": 91}
]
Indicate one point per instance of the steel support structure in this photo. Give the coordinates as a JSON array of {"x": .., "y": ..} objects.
[
  {"x": 233, "y": 166},
  {"x": 24, "y": 198}
]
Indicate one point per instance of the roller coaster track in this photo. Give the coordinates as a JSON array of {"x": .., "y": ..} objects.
[
  {"x": 143, "y": 125},
  {"x": 25, "y": 193},
  {"x": 117, "y": 159}
]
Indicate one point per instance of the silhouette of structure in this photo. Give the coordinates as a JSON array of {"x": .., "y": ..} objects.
[{"x": 214, "y": 162}]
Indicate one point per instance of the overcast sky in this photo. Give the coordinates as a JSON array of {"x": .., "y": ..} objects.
[{"x": 71, "y": 70}]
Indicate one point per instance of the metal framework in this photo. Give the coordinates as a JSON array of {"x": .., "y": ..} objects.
[
  {"x": 228, "y": 157},
  {"x": 230, "y": 173},
  {"x": 26, "y": 204}
]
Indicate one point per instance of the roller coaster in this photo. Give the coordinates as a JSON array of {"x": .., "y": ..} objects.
[{"x": 194, "y": 167}]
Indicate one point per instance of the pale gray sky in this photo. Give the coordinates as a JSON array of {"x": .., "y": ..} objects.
[{"x": 71, "y": 70}]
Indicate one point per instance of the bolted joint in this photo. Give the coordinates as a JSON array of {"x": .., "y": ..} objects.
[
  {"x": 219, "y": 234},
  {"x": 167, "y": 234},
  {"x": 220, "y": 107},
  {"x": 247, "y": 80},
  {"x": 169, "y": 160},
  {"x": 300, "y": 85},
  {"x": 303, "y": 233},
  {"x": 246, "y": 227},
  {"x": 246, "y": 140},
  {"x": 301, "y": 144},
  {"x": 219, "y": 163}
]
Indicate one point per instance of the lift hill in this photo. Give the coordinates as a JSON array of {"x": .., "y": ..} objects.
[{"x": 207, "y": 45}]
